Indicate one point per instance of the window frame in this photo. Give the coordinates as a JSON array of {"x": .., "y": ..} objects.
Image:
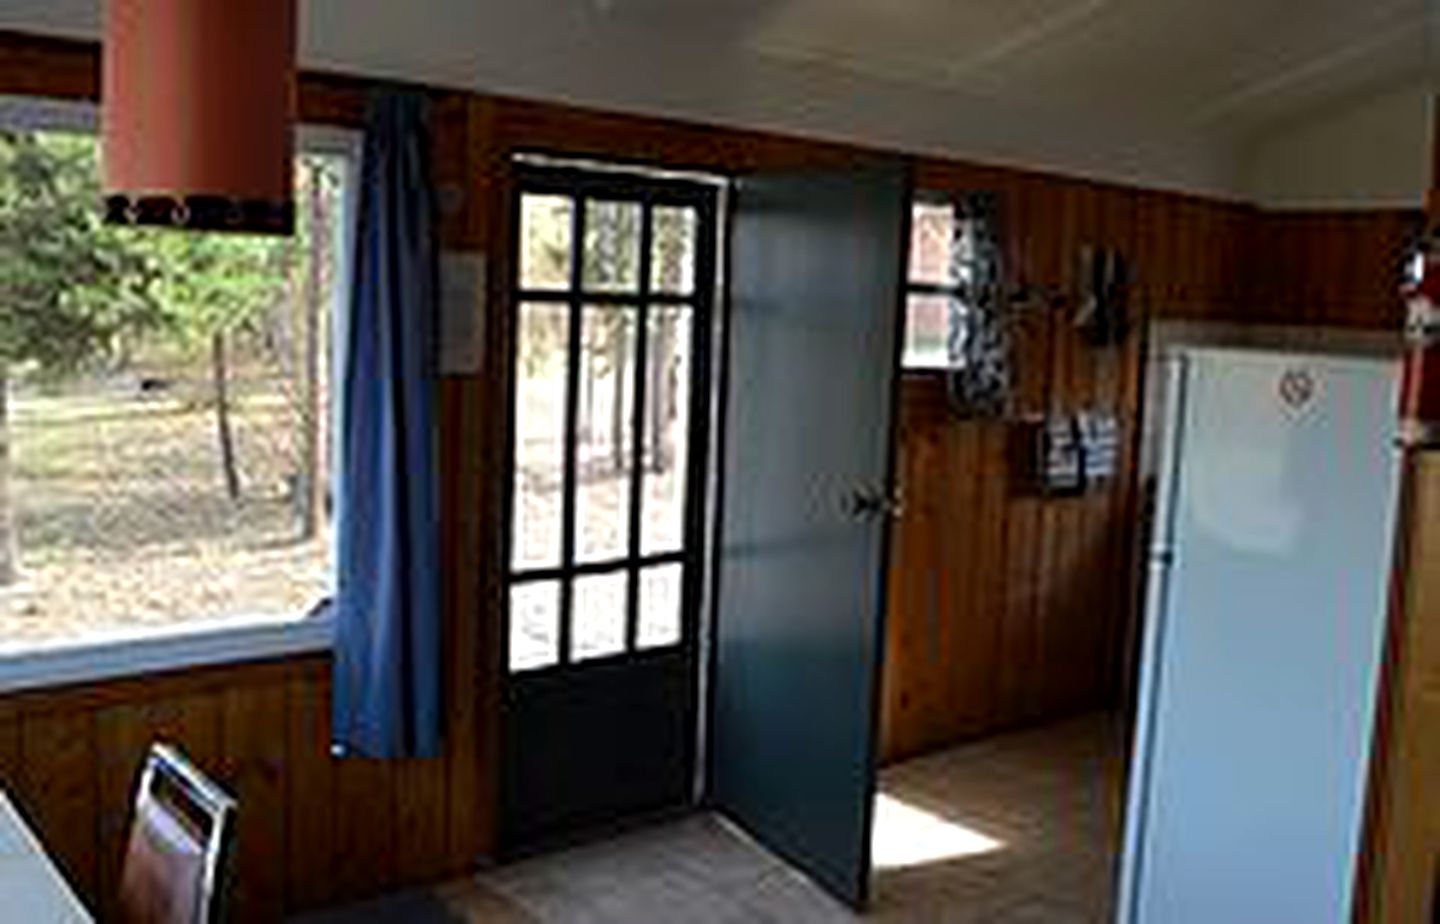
[
  {"x": 586, "y": 182},
  {"x": 217, "y": 641},
  {"x": 952, "y": 290}
]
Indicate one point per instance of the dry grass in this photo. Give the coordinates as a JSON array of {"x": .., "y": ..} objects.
[{"x": 124, "y": 523}]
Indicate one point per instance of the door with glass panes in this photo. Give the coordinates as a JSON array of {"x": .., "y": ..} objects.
[{"x": 613, "y": 294}]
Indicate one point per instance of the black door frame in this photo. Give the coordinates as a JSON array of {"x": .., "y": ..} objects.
[{"x": 583, "y": 184}]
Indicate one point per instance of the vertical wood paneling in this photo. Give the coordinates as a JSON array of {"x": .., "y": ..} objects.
[
  {"x": 58, "y": 781},
  {"x": 1116, "y": 230},
  {"x": 1125, "y": 558},
  {"x": 69, "y": 756},
  {"x": 1007, "y": 607},
  {"x": 311, "y": 829},
  {"x": 463, "y": 814},
  {"x": 1093, "y": 391},
  {"x": 1338, "y": 269},
  {"x": 253, "y": 765},
  {"x": 1061, "y": 621},
  {"x": 1148, "y": 253},
  {"x": 485, "y": 410},
  {"x": 1020, "y": 655},
  {"x": 991, "y": 568},
  {"x": 1398, "y": 882},
  {"x": 912, "y": 693},
  {"x": 9, "y": 747},
  {"x": 1399, "y": 872},
  {"x": 1019, "y": 652},
  {"x": 441, "y": 817},
  {"x": 365, "y": 860},
  {"x": 1025, "y": 537},
  {"x": 1067, "y": 604},
  {"x": 421, "y": 819},
  {"x": 1051, "y": 548},
  {"x": 123, "y": 734},
  {"x": 310, "y": 846},
  {"x": 963, "y": 661}
]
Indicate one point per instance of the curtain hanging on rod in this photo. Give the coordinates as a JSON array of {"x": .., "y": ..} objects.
[{"x": 387, "y": 673}]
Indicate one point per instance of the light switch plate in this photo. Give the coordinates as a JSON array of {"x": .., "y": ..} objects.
[{"x": 462, "y": 312}]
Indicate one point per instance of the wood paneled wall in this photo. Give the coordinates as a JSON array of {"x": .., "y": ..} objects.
[
  {"x": 1400, "y": 880},
  {"x": 315, "y": 830},
  {"x": 1006, "y": 608},
  {"x": 1400, "y": 872},
  {"x": 312, "y": 829},
  {"x": 1331, "y": 268}
]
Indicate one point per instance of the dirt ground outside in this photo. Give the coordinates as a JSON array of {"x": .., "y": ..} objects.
[{"x": 124, "y": 521}]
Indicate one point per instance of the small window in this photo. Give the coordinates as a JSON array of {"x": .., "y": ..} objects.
[
  {"x": 936, "y": 307},
  {"x": 165, "y": 405}
]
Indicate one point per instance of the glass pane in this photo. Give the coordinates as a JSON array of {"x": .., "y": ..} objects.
[
  {"x": 927, "y": 325},
  {"x": 546, "y": 223},
  {"x": 540, "y": 435},
  {"x": 660, "y": 592},
  {"x": 604, "y": 423},
  {"x": 534, "y": 625},
  {"x": 667, "y": 429},
  {"x": 599, "y": 626},
  {"x": 612, "y": 246},
  {"x": 932, "y": 234},
  {"x": 114, "y": 517},
  {"x": 672, "y": 253}
]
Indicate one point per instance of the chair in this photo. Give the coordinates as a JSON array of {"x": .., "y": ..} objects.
[{"x": 179, "y": 845}]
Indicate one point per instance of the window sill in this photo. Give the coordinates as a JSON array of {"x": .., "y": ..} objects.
[{"x": 199, "y": 644}]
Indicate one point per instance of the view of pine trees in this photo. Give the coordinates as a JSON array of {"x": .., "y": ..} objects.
[{"x": 163, "y": 403}]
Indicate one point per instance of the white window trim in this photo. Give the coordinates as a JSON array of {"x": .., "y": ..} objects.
[
  {"x": 182, "y": 645},
  {"x": 926, "y": 366}
]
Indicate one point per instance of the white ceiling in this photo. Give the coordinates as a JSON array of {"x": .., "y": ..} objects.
[{"x": 1165, "y": 92}]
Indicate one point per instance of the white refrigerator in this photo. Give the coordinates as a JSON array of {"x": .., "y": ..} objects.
[{"x": 1261, "y": 650}]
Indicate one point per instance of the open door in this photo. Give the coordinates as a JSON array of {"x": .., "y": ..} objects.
[{"x": 816, "y": 269}]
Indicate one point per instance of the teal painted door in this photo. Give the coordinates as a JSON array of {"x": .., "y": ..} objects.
[{"x": 816, "y": 270}]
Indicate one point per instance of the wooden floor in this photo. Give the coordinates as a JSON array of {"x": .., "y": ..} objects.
[{"x": 1018, "y": 828}]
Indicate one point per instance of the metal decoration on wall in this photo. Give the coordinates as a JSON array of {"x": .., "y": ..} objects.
[
  {"x": 980, "y": 344},
  {"x": 1102, "y": 315}
]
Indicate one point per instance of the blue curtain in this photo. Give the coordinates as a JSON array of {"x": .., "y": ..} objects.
[{"x": 387, "y": 648}]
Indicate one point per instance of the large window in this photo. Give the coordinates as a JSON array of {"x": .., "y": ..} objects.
[{"x": 164, "y": 405}]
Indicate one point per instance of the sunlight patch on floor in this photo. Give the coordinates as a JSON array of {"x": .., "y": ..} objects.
[{"x": 905, "y": 835}]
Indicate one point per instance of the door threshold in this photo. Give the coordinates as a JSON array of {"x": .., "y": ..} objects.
[{"x": 595, "y": 833}]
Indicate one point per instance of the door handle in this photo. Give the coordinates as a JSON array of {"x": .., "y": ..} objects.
[{"x": 871, "y": 505}]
